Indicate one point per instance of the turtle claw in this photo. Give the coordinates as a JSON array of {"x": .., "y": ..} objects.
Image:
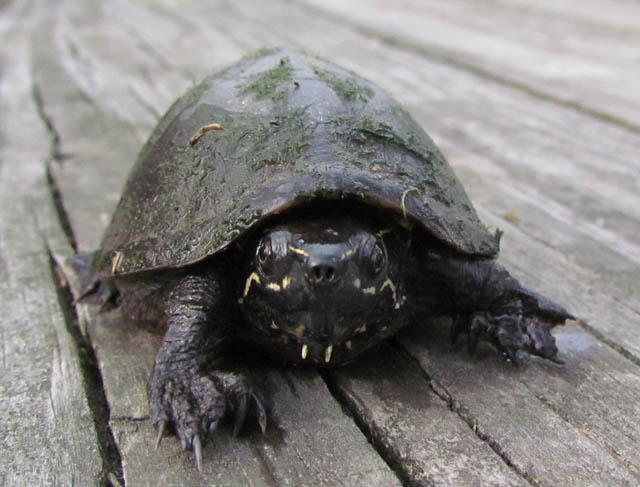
[
  {"x": 240, "y": 415},
  {"x": 513, "y": 327},
  {"x": 193, "y": 405},
  {"x": 556, "y": 360},
  {"x": 197, "y": 450},
  {"x": 262, "y": 414},
  {"x": 476, "y": 327},
  {"x": 212, "y": 428},
  {"x": 238, "y": 393},
  {"x": 457, "y": 327},
  {"x": 161, "y": 427}
]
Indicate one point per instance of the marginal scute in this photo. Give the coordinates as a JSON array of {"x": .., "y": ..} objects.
[{"x": 316, "y": 131}]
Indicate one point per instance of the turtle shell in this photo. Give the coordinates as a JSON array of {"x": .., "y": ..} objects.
[{"x": 292, "y": 128}]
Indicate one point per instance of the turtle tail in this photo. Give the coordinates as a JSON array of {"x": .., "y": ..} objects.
[{"x": 87, "y": 286}]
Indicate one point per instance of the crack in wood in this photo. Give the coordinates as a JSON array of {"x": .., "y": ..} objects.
[
  {"x": 269, "y": 470},
  {"x": 463, "y": 413},
  {"x": 54, "y": 146},
  {"x": 55, "y": 155},
  {"x": 615, "y": 346},
  {"x": 405, "y": 470},
  {"x": 3, "y": 339},
  {"x": 92, "y": 381},
  {"x": 58, "y": 203},
  {"x": 601, "y": 442}
]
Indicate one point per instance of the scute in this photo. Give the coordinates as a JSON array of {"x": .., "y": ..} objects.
[{"x": 294, "y": 128}]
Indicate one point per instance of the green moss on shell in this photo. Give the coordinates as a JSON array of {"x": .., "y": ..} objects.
[
  {"x": 345, "y": 88},
  {"x": 261, "y": 52},
  {"x": 269, "y": 83}
]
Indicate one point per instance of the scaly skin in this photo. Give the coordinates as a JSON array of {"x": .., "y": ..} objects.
[
  {"x": 181, "y": 395},
  {"x": 189, "y": 395},
  {"x": 490, "y": 305}
]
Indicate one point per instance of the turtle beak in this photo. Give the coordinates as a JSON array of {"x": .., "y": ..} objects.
[{"x": 325, "y": 266}]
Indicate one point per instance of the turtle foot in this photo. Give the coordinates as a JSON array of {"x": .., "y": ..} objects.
[
  {"x": 512, "y": 328},
  {"x": 192, "y": 405}
]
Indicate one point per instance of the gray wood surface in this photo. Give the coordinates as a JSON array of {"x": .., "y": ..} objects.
[
  {"x": 584, "y": 56},
  {"x": 47, "y": 426},
  {"x": 536, "y": 108}
]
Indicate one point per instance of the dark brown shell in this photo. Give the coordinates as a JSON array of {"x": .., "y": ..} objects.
[{"x": 294, "y": 128}]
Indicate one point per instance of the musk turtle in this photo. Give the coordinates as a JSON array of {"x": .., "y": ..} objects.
[{"x": 289, "y": 204}]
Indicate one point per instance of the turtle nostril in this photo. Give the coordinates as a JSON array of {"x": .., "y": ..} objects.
[
  {"x": 329, "y": 274},
  {"x": 323, "y": 273}
]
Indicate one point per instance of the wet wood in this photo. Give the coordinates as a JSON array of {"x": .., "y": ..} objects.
[{"x": 537, "y": 115}]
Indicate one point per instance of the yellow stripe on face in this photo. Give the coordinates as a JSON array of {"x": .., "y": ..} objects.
[
  {"x": 392, "y": 286},
  {"x": 394, "y": 293},
  {"x": 115, "y": 262},
  {"x": 299, "y": 330},
  {"x": 298, "y": 251},
  {"x": 253, "y": 277},
  {"x": 274, "y": 286},
  {"x": 347, "y": 254}
]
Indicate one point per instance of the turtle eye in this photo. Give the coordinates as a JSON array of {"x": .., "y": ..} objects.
[
  {"x": 264, "y": 253},
  {"x": 378, "y": 259}
]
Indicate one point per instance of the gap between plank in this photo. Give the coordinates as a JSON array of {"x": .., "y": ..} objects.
[
  {"x": 54, "y": 135},
  {"x": 55, "y": 156},
  {"x": 615, "y": 346},
  {"x": 387, "y": 452},
  {"x": 91, "y": 377},
  {"x": 92, "y": 380},
  {"x": 455, "y": 406}
]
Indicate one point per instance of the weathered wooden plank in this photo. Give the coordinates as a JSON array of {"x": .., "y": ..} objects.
[
  {"x": 545, "y": 417},
  {"x": 127, "y": 353},
  {"x": 311, "y": 440},
  {"x": 581, "y": 54},
  {"x": 47, "y": 429},
  {"x": 289, "y": 454},
  {"x": 226, "y": 461},
  {"x": 416, "y": 428}
]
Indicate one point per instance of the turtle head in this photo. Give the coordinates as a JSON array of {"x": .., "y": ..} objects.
[{"x": 325, "y": 290}]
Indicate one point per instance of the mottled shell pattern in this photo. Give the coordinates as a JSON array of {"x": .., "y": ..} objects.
[{"x": 277, "y": 130}]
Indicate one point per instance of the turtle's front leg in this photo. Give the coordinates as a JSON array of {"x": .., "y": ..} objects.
[
  {"x": 491, "y": 305},
  {"x": 182, "y": 397}
]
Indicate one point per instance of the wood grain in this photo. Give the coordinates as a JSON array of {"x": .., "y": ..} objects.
[
  {"x": 47, "y": 428},
  {"x": 583, "y": 57}
]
